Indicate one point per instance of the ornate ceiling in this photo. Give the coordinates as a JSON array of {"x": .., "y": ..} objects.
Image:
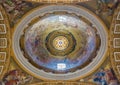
[{"x": 59, "y": 44}]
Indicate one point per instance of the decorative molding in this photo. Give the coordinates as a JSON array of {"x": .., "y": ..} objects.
[
  {"x": 117, "y": 29},
  {"x": 58, "y": 1},
  {"x": 118, "y": 16},
  {"x": 64, "y": 83},
  {"x": 1, "y": 16},
  {"x": 3, "y": 42},
  {"x": 2, "y": 56},
  {"x": 2, "y": 29},
  {"x": 116, "y": 42},
  {"x": 117, "y": 56},
  {"x": 118, "y": 68},
  {"x": 1, "y": 69}
]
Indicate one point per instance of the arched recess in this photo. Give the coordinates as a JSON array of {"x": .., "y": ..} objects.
[
  {"x": 5, "y": 42},
  {"x": 115, "y": 42}
]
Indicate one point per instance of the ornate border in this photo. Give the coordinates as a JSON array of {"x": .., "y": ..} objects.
[{"x": 19, "y": 58}]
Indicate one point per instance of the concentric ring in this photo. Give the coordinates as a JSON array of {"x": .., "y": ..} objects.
[
  {"x": 60, "y": 43},
  {"x": 60, "y": 49},
  {"x": 100, "y": 57}
]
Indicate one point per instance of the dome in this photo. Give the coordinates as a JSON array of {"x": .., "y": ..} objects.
[
  {"x": 60, "y": 42},
  {"x": 61, "y": 39}
]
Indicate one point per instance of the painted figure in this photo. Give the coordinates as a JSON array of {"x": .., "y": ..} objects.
[
  {"x": 105, "y": 77},
  {"x": 15, "y": 77}
]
